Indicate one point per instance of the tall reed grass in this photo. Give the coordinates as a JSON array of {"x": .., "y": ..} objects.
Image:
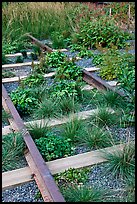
[{"x": 38, "y": 18}]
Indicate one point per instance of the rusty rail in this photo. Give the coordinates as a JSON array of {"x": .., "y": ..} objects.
[
  {"x": 97, "y": 82},
  {"x": 49, "y": 190},
  {"x": 39, "y": 43}
]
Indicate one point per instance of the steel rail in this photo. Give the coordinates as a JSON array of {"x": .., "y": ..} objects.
[
  {"x": 38, "y": 166},
  {"x": 98, "y": 83}
]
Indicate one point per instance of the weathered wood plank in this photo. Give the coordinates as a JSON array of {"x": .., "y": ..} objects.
[
  {"x": 18, "y": 65},
  {"x": 16, "y": 54},
  {"x": 16, "y": 79},
  {"x": 19, "y": 176},
  {"x": 16, "y": 177}
]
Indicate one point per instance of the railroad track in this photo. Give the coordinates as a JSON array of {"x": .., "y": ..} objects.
[{"x": 37, "y": 168}]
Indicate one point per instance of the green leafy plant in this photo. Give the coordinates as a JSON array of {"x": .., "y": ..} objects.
[
  {"x": 85, "y": 53},
  {"x": 34, "y": 79},
  {"x": 71, "y": 176},
  {"x": 69, "y": 70},
  {"x": 65, "y": 88},
  {"x": 53, "y": 147},
  {"x": 55, "y": 59},
  {"x": 15, "y": 46},
  {"x": 23, "y": 100},
  {"x": 101, "y": 31},
  {"x": 97, "y": 59},
  {"x": 12, "y": 149},
  {"x": 126, "y": 79},
  {"x": 121, "y": 163}
]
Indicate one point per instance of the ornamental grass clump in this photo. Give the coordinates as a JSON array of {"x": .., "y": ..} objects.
[
  {"x": 68, "y": 105},
  {"x": 73, "y": 129},
  {"x": 121, "y": 163},
  {"x": 96, "y": 138},
  {"x": 12, "y": 150},
  {"x": 104, "y": 117},
  {"x": 82, "y": 193},
  {"x": 38, "y": 130}
]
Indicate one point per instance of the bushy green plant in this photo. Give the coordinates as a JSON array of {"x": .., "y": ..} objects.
[
  {"x": 126, "y": 79},
  {"x": 67, "y": 105},
  {"x": 47, "y": 108},
  {"x": 15, "y": 46},
  {"x": 4, "y": 59},
  {"x": 5, "y": 116},
  {"x": 53, "y": 147},
  {"x": 55, "y": 59},
  {"x": 102, "y": 31},
  {"x": 69, "y": 70},
  {"x": 97, "y": 59},
  {"x": 32, "y": 80},
  {"x": 24, "y": 53},
  {"x": 121, "y": 163},
  {"x": 23, "y": 100},
  {"x": 65, "y": 88},
  {"x": 71, "y": 176},
  {"x": 57, "y": 40},
  {"x": 42, "y": 67},
  {"x": 12, "y": 149},
  {"x": 85, "y": 53}
]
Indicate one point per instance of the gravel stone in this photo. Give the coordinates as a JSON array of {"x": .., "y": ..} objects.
[{"x": 22, "y": 193}]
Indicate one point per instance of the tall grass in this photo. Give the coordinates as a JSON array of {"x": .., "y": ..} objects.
[{"x": 38, "y": 18}]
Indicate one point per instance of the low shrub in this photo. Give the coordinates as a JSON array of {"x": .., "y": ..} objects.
[
  {"x": 7, "y": 74},
  {"x": 24, "y": 100},
  {"x": 71, "y": 176},
  {"x": 33, "y": 80},
  {"x": 55, "y": 59},
  {"x": 74, "y": 129},
  {"x": 101, "y": 31},
  {"x": 68, "y": 70},
  {"x": 66, "y": 88},
  {"x": 53, "y": 147}
]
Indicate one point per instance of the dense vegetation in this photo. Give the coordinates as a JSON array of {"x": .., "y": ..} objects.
[{"x": 82, "y": 27}]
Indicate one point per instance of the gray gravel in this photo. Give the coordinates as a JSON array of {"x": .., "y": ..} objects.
[{"x": 23, "y": 193}]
